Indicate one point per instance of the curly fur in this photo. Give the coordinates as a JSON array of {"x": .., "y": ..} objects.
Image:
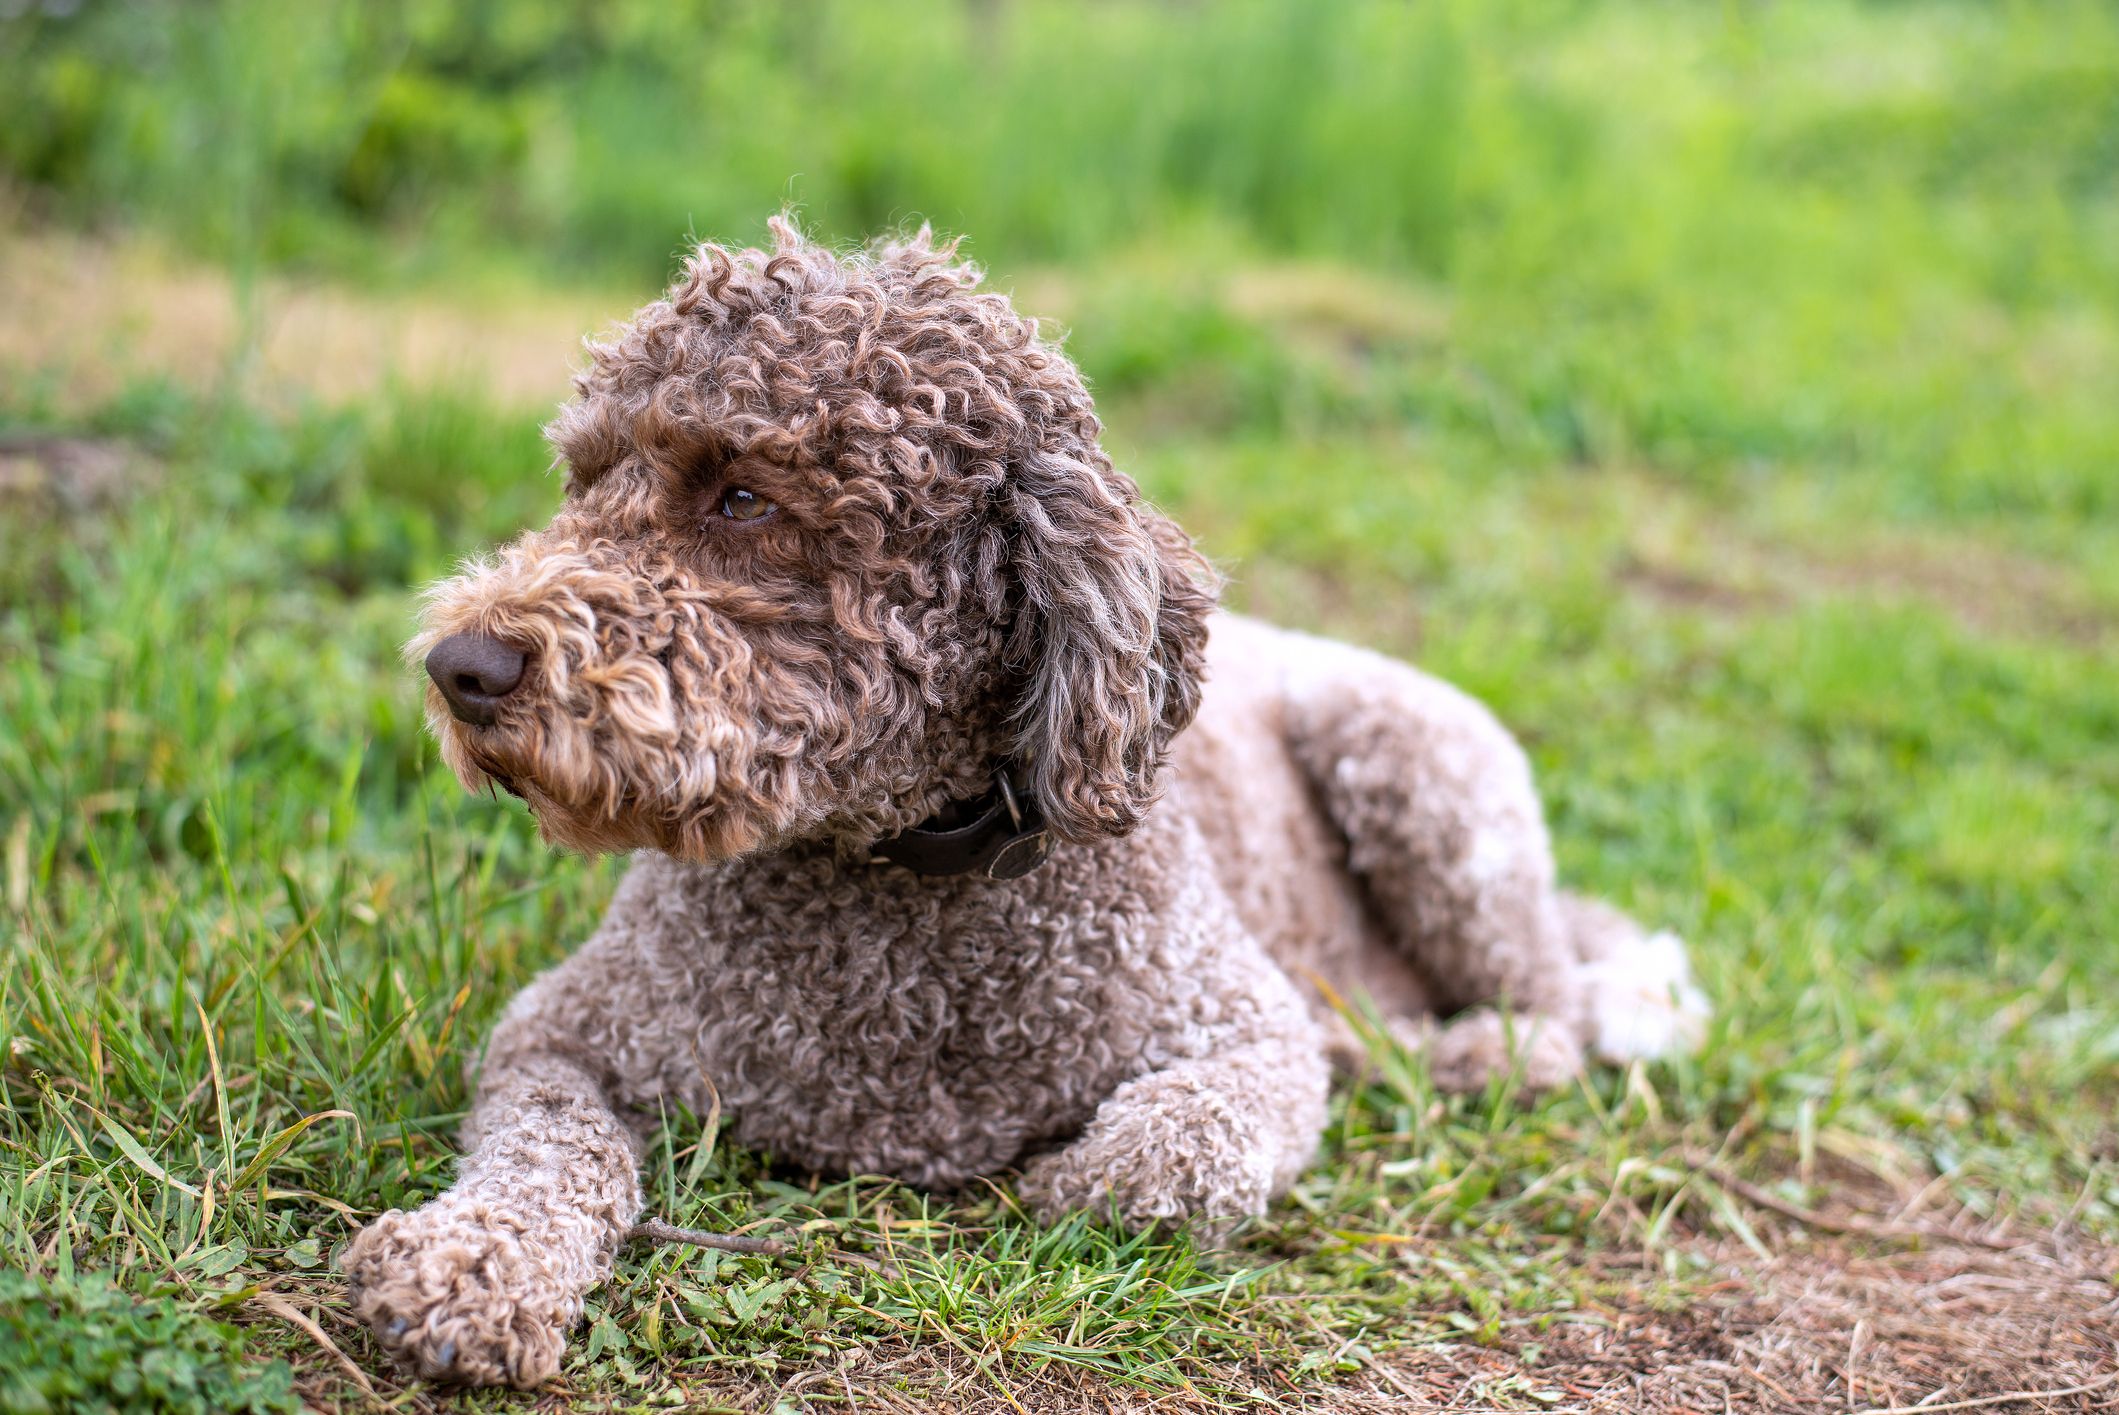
[{"x": 956, "y": 577}]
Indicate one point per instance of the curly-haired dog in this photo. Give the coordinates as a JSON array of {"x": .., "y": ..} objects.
[{"x": 849, "y": 626}]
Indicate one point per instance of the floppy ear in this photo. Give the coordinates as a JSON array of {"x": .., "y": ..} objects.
[{"x": 1112, "y": 624}]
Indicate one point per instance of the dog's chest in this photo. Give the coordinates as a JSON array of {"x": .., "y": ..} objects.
[{"x": 875, "y": 1021}]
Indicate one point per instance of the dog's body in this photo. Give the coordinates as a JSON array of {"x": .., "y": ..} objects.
[{"x": 1144, "y": 1021}]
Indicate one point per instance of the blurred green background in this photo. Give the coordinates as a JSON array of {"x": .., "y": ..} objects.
[
  {"x": 1700, "y": 237},
  {"x": 1729, "y": 393}
]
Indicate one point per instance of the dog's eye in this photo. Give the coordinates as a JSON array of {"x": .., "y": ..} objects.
[{"x": 740, "y": 505}]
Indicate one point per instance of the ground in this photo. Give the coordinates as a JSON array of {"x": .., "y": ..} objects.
[{"x": 1746, "y": 437}]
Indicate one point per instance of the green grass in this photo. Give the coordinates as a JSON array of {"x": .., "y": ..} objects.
[
  {"x": 90, "y": 1345},
  {"x": 1725, "y": 395}
]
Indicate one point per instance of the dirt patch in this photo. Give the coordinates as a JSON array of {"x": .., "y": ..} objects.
[
  {"x": 1826, "y": 1328},
  {"x": 71, "y": 474},
  {"x": 1684, "y": 590},
  {"x": 1982, "y": 587},
  {"x": 1305, "y": 597},
  {"x": 86, "y": 316},
  {"x": 1986, "y": 590}
]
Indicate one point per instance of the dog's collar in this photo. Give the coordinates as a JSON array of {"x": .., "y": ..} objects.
[{"x": 1002, "y": 836}]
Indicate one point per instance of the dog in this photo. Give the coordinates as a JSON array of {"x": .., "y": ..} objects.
[{"x": 969, "y": 834}]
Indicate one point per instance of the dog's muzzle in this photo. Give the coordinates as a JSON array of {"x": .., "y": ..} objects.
[{"x": 475, "y": 673}]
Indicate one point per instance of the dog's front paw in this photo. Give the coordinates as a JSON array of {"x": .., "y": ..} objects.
[
  {"x": 459, "y": 1294},
  {"x": 1163, "y": 1149}
]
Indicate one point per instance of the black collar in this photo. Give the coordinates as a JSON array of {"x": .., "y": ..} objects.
[{"x": 1003, "y": 836}]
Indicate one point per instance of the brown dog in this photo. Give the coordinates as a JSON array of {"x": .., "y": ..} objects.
[{"x": 849, "y": 625}]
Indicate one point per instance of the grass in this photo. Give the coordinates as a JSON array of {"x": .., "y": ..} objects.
[{"x": 1723, "y": 395}]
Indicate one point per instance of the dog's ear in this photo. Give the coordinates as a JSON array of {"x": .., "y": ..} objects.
[{"x": 1111, "y": 627}]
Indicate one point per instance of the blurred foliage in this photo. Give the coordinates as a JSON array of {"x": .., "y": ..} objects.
[
  {"x": 593, "y": 134},
  {"x": 597, "y": 133},
  {"x": 1727, "y": 240},
  {"x": 83, "y": 1346}
]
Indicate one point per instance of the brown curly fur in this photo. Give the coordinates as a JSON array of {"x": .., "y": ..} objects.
[
  {"x": 950, "y": 535},
  {"x": 956, "y": 577}
]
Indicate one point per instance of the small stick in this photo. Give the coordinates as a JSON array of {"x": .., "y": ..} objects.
[
  {"x": 1864, "y": 1227},
  {"x": 2012, "y": 1396},
  {"x": 655, "y": 1230}
]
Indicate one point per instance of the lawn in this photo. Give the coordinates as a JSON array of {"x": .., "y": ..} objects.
[{"x": 1728, "y": 395}]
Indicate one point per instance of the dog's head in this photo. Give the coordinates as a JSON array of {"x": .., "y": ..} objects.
[{"x": 838, "y": 542}]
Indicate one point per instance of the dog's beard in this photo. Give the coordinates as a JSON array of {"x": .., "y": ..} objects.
[
  {"x": 650, "y": 718},
  {"x": 601, "y": 792}
]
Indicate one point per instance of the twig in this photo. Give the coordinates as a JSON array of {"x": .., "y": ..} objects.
[
  {"x": 1853, "y": 1224},
  {"x": 655, "y": 1230},
  {"x": 1390, "y": 1379},
  {"x": 2015, "y": 1395},
  {"x": 1762, "y": 1378},
  {"x": 287, "y": 1312}
]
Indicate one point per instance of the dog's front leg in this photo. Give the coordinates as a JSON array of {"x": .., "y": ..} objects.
[
  {"x": 1216, "y": 1134},
  {"x": 481, "y": 1284}
]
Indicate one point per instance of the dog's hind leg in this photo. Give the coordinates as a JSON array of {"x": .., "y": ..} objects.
[
  {"x": 1635, "y": 987},
  {"x": 1445, "y": 832},
  {"x": 481, "y": 1284}
]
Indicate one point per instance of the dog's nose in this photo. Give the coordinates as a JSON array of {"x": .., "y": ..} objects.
[{"x": 474, "y": 673}]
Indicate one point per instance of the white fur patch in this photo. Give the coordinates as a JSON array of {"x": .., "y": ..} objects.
[{"x": 1643, "y": 1002}]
